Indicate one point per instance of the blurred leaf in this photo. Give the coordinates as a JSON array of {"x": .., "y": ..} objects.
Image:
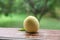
[{"x": 21, "y": 29}]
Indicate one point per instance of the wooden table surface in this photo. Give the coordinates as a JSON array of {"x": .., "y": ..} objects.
[{"x": 43, "y": 34}]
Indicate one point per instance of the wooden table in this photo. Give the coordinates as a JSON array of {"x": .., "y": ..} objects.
[{"x": 43, "y": 34}]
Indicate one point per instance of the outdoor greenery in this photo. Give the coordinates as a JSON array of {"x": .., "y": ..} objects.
[{"x": 13, "y": 12}]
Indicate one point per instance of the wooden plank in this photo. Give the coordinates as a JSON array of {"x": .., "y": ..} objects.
[{"x": 43, "y": 34}]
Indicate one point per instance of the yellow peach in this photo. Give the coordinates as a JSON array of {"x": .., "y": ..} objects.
[{"x": 31, "y": 24}]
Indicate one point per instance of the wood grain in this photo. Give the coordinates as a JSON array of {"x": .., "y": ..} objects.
[{"x": 43, "y": 34}]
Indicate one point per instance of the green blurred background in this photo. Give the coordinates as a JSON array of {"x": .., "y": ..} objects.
[{"x": 13, "y": 13}]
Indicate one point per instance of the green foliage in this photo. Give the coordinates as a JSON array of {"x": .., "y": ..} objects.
[
  {"x": 6, "y": 6},
  {"x": 18, "y": 6},
  {"x": 16, "y": 21}
]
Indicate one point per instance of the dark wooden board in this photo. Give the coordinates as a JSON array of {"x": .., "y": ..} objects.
[{"x": 43, "y": 34}]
